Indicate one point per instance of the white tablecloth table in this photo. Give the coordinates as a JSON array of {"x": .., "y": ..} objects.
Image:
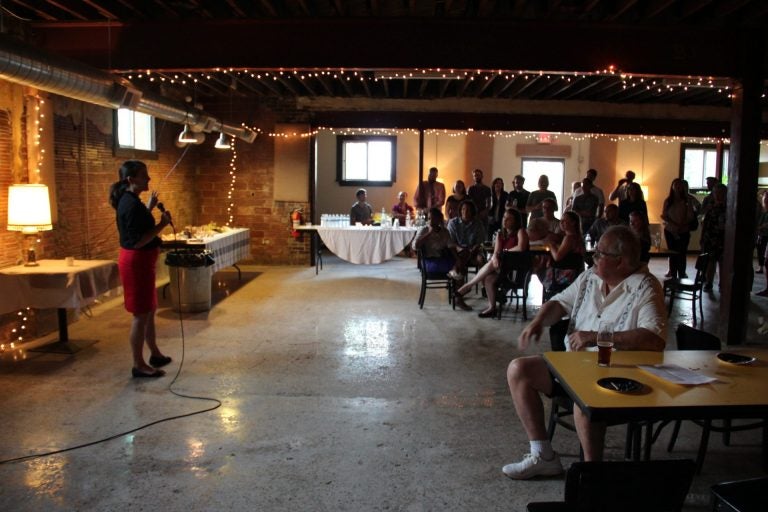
[
  {"x": 54, "y": 284},
  {"x": 226, "y": 248},
  {"x": 365, "y": 245}
]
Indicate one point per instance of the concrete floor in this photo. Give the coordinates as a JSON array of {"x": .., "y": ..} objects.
[{"x": 337, "y": 393}]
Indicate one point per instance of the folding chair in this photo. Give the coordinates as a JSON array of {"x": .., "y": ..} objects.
[
  {"x": 433, "y": 280},
  {"x": 687, "y": 289},
  {"x": 514, "y": 277}
]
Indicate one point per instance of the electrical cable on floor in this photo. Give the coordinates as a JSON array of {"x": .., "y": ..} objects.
[{"x": 163, "y": 420}]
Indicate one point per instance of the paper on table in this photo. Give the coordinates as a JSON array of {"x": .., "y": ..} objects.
[{"x": 677, "y": 374}]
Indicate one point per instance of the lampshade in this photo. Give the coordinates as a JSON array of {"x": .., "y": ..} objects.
[
  {"x": 186, "y": 136},
  {"x": 221, "y": 142},
  {"x": 29, "y": 208}
]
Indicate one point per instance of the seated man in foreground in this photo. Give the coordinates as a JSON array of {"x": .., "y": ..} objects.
[{"x": 617, "y": 289}]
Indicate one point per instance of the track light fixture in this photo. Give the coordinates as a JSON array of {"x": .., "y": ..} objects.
[
  {"x": 186, "y": 136},
  {"x": 222, "y": 142}
]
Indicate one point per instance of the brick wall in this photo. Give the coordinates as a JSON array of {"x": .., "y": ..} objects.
[
  {"x": 10, "y": 250},
  {"x": 85, "y": 169},
  {"x": 195, "y": 191},
  {"x": 193, "y": 184},
  {"x": 255, "y": 207}
]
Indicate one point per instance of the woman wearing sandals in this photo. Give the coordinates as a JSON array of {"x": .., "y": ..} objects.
[
  {"x": 512, "y": 237},
  {"x": 139, "y": 249}
]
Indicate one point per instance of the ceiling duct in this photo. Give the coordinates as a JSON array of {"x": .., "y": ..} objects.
[{"x": 23, "y": 64}]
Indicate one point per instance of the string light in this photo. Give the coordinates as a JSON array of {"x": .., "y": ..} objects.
[
  {"x": 18, "y": 335},
  {"x": 658, "y": 84},
  {"x": 233, "y": 179},
  {"x": 39, "y": 116},
  {"x": 532, "y": 136}
]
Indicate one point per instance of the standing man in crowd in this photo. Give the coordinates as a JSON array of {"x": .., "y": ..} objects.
[
  {"x": 596, "y": 191},
  {"x": 621, "y": 193},
  {"x": 537, "y": 197},
  {"x": 361, "y": 211},
  {"x": 430, "y": 193},
  {"x": 517, "y": 199},
  {"x": 586, "y": 205},
  {"x": 706, "y": 203},
  {"x": 617, "y": 289},
  {"x": 480, "y": 194}
]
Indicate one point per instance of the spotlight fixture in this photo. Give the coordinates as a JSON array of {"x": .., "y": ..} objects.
[
  {"x": 186, "y": 136},
  {"x": 221, "y": 142}
]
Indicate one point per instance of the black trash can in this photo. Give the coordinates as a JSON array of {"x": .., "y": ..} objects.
[{"x": 190, "y": 273}]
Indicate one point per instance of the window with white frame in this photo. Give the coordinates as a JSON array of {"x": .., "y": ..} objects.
[
  {"x": 364, "y": 160},
  {"x": 135, "y": 130},
  {"x": 698, "y": 162}
]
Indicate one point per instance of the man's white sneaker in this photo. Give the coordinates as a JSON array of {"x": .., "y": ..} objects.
[{"x": 533, "y": 465}]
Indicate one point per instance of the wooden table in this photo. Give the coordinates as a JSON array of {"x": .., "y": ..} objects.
[
  {"x": 54, "y": 284},
  {"x": 739, "y": 392}
]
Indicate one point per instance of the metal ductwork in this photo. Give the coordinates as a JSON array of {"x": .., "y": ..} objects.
[{"x": 23, "y": 64}]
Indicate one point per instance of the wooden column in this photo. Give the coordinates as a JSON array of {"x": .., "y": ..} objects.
[
  {"x": 737, "y": 266},
  {"x": 421, "y": 163}
]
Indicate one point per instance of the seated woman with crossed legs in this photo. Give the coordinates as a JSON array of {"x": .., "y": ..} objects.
[{"x": 512, "y": 237}]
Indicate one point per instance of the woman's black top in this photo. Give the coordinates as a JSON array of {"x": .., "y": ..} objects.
[
  {"x": 498, "y": 204},
  {"x": 133, "y": 220},
  {"x": 627, "y": 207},
  {"x": 572, "y": 260}
]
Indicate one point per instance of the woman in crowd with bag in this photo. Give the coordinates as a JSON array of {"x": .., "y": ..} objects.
[
  {"x": 762, "y": 233},
  {"x": 635, "y": 202},
  {"x": 638, "y": 222},
  {"x": 679, "y": 218},
  {"x": 566, "y": 256},
  {"x": 713, "y": 233},
  {"x": 511, "y": 237},
  {"x": 139, "y": 249},
  {"x": 498, "y": 205}
]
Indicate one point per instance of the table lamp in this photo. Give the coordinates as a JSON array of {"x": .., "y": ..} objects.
[{"x": 29, "y": 211}]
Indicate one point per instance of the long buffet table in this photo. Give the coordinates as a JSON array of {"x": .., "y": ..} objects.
[
  {"x": 364, "y": 245},
  {"x": 226, "y": 248}
]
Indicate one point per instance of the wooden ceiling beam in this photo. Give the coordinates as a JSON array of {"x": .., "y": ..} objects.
[
  {"x": 694, "y": 6},
  {"x": 236, "y": 8},
  {"x": 527, "y": 122},
  {"x": 164, "y": 6},
  {"x": 43, "y": 14},
  {"x": 657, "y": 7},
  {"x": 390, "y": 43},
  {"x": 102, "y": 10},
  {"x": 622, "y": 9},
  {"x": 66, "y": 9},
  {"x": 269, "y": 7}
]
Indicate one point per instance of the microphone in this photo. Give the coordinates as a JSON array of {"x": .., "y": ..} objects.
[{"x": 161, "y": 207}]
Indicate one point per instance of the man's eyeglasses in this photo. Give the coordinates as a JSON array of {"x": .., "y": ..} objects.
[{"x": 600, "y": 254}]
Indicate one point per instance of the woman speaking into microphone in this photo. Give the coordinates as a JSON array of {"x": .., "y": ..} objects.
[{"x": 139, "y": 249}]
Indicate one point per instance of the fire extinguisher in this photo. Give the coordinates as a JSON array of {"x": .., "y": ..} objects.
[{"x": 296, "y": 221}]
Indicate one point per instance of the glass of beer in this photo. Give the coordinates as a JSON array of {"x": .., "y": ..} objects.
[{"x": 604, "y": 344}]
